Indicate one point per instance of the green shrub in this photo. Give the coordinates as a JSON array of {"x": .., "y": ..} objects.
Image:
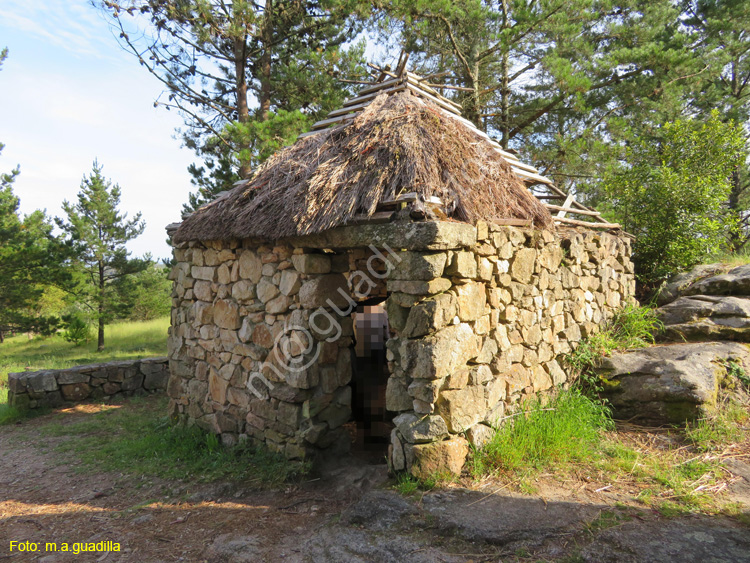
[
  {"x": 76, "y": 330},
  {"x": 566, "y": 429},
  {"x": 672, "y": 193}
]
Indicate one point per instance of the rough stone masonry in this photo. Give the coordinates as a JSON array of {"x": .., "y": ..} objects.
[
  {"x": 481, "y": 317},
  {"x": 104, "y": 381}
]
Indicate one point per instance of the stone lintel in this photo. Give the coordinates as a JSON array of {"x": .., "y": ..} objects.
[{"x": 429, "y": 235}]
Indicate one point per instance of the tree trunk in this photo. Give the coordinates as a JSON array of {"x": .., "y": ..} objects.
[
  {"x": 243, "y": 112},
  {"x": 505, "y": 85},
  {"x": 100, "y": 339},
  {"x": 474, "y": 109},
  {"x": 504, "y": 102},
  {"x": 265, "y": 63},
  {"x": 736, "y": 236},
  {"x": 476, "y": 103}
]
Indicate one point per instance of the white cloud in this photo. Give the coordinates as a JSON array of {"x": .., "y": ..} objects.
[{"x": 76, "y": 27}]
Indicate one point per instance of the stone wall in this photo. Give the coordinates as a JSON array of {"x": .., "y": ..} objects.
[
  {"x": 52, "y": 388},
  {"x": 481, "y": 317},
  {"x": 510, "y": 308},
  {"x": 234, "y": 306}
]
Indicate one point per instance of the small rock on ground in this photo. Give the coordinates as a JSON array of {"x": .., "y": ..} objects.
[
  {"x": 233, "y": 548},
  {"x": 502, "y": 520}
]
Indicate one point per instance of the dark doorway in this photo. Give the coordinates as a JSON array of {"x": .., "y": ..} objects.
[{"x": 369, "y": 380}]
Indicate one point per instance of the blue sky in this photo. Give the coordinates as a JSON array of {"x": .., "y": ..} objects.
[{"x": 70, "y": 94}]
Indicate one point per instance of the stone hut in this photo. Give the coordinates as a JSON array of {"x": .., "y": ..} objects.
[{"x": 393, "y": 276}]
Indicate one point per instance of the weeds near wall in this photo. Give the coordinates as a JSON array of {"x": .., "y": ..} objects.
[
  {"x": 139, "y": 440},
  {"x": 8, "y": 414},
  {"x": 565, "y": 429},
  {"x": 736, "y": 374},
  {"x": 631, "y": 327},
  {"x": 675, "y": 471},
  {"x": 729, "y": 423}
]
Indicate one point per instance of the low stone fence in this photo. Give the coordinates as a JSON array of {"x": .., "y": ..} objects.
[{"x": 54, "y": 387}]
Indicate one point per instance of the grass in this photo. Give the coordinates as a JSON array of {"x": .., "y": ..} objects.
[
  {"x": 408, "y": 485},
  {"x": 729, "y": 424},
  {"x": 138, "y": 439},
  {"x": 565, "y": 430},
  {"x": 664, "y": 469},
  {"x": 607, "y": 519},
  {"x": 631, "y": 327},
  {"x": 8, "y": 414},
  {"x": 572, "y": 438},
  {"x": 123, "y": 341},
  {"x": 732, "y": 259},
  {"x": 672, "y": 470}
]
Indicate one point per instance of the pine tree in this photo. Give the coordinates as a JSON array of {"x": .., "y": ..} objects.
[
  {"x": 98, "y": 231},
  {"x": 216, "y": 58},
  {"x": 31, "y": 259},
  {"x": 553, "y": 79}
]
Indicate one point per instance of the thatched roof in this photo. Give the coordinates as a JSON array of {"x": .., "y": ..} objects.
[{"x": 399, "y": 143}]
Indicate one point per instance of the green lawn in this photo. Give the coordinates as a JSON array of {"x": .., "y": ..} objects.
[{"x": 123, "y": 341}]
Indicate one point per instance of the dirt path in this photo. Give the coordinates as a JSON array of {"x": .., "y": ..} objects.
[
  {"x": 345, "y": 516},
  {"x": 44, "y": 497}
]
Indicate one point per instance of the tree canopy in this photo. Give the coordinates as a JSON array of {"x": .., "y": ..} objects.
[
  {"x": 549, "y": 78},
  {"x": 247, "y": 77},
  {"x": 722, "y": 29},
  {"x": 31, "y": 259},
  {"x": 568, "y": 83},
  {"x": 671, "y": 192}
]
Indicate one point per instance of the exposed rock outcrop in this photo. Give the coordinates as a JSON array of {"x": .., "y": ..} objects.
[
  {"x": 701, "y": 310},
  {"x": 681, "y": 283},
  {"x": 669, "y": 383},
  {"x": 711, "y": 302},
  {"x": 706, "y": 317}
]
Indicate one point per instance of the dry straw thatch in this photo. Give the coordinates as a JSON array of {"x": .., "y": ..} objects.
[{"x": 398, "y": 144}]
